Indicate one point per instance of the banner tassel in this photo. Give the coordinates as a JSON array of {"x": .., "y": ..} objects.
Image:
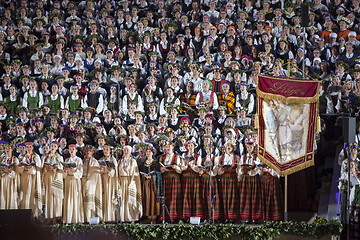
[
  {"x": 318, "y": 124},
  {"x": 256, "y": 121}
]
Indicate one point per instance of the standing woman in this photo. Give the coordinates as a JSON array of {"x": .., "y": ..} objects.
[
  {"x": 9, "y": 180},
  {"x": 73, "y": 200},
  {"x": 209, "y": 166},
  {"x": 110, "y": 184},
  {"x": 92, "y": 185},
  {"x": 30, "y": 165},
  {"x": 53, "y": 183},
  {"x": 151, "y": 179},
  {"x": 129, "y": 188},
  {"x": 249, "y": 185},
  {"x": 228, "y": 162},
  {"x": 190, "y": 182},
  {"x": 171, "y": 170},
  {"x": 271, "y": 195}
]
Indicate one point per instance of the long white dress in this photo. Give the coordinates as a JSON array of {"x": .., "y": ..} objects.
[
  {"x": 53, "y": 186},
  {"x": 31, "y": 184},
  {"x": 92, "y": 189},
  {"x": 73, "y": 200},
  {"x": 9, "y": 184},
  {"x": 110, "y": 181},
  {"x": 130, "y": 190}
]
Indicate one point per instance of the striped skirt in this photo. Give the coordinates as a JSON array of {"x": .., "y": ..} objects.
[
  {"x": 250, "y": 197},
  {"x": 272, "y": 198},
  {"x": 230, "y": 195},
  {"x": 192, "y": 205},
  {"x": 172, "y": 194},
  {"x": 205, "y": 194}
]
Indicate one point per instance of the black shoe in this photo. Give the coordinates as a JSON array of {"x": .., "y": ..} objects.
[{"x": 247, "y": 221}]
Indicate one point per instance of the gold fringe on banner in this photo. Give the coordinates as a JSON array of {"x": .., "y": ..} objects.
[
  {"x": 287, "y": 100},
  {"x": 256, "y": 123},
  {"x": 288, "y": 171}
]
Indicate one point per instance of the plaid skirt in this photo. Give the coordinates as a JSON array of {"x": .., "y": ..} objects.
[
  {"x": 229, "y": 195},
  {"x": 172, "y": 193},
  {"x": 250, "y": 197},
  {"x": 205, "y": 195},
  {"x": 192, "y": 205},
  {"x": 272, "y": 198}
]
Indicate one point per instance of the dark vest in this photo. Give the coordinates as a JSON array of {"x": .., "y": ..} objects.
[{"x": 93, "y": 99}]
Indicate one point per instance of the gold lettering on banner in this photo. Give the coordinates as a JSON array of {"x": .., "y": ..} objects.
[{"x": 286, "y": 88}]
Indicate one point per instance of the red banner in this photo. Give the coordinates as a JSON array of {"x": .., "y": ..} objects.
[{"x": 287, "y": 121}]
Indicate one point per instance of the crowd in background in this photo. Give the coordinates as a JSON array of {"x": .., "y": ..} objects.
[{"x": 99, "y": 95}]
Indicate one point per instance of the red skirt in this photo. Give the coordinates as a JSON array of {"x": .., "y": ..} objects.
[
  {"x": 192, "y": 205},
  {"x": 172, "y": 193},
  {"x": 250, "y": 197},
  {"x": 205, "y": 194},
  {"x": 229, "y": 190},
  {"x": 272, "y": 198}
]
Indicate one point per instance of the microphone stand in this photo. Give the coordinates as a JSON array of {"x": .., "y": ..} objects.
[
  {"x": 163, "y": 204},
  {"x": 161, "y": 198},
  {"x": 211, "y": 197}
]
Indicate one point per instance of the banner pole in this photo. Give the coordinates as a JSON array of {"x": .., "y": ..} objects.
[
  {"x": 285, "y": 204},
  {"x": 286, "y": 177}
]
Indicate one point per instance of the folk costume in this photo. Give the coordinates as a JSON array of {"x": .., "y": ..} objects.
[
  {"x": 271, "y": 195},
  {"x": 130, "y": 189},
  {"x": 190, "y": 183},
  {"x": 53, "y": 185},
  {"x": 229, "y": 184},
  {"x": 110, "y": 188},
  {"x": 31, "y": 187},
  {"x": 151, "y": 181},
  {"x": 171, "y": 169},
  {"x": 9, "y": 183},
  {"x": 249, "y": 186},
  {"x": 227, "y": 100},
  {"x": 92, "y": 188},
  {"x": 209, "y": 168},
  {"x": 73, "y": 200}
]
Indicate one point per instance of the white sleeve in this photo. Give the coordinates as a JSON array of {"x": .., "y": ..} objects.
[
  {"x": 140, "y": 104},
  {"x": 41, "y": 100},
  {"x": 67, "y": 102},
  {"x": 237, "y": 103},
  {"x": 338, "y": 105},
  {"x": 197, "y": 99},
  {"x": 61, "y": 101},
  {"x": 251, "y": 104},
  {"x": 124, "y": 105},
  {"x": 215, "y": 103},
  {"x": 25, "y": 102},
  {"x": 83, "y": 102},
  {"x": 100, "y": 106},
  {"x": 79, "y": 170},
  {"x": 162, "y": 110},
  {"x": 329, "y": 105}
]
